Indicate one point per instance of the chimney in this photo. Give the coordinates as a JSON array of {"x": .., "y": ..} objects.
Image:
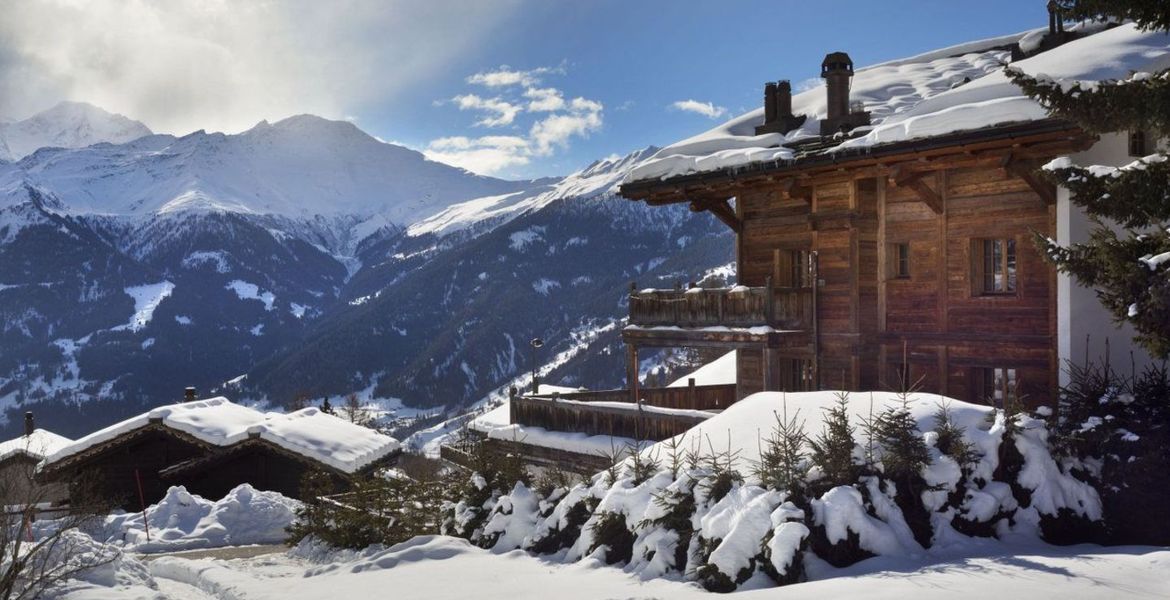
[
  {"x": 778, "y": 117},
  {"x": 837, "y": 71},
  {"x": 30, "y": 424},
  {"x": 783, "y": 99},
  {"x": 769, "y": 103},
  {"x": 189, "y": 394}
]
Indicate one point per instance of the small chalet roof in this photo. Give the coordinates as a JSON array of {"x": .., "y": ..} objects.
[
  {"x": 957, "y": 89},
  {"x": 721, "y": 371},
  {"x": 39, "y": 444},
  {"x": 220, "y": 422}
]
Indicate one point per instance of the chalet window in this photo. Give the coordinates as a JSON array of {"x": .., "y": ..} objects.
[
  {"x": 1137, "y": 143},
  {"x": 899, "y": 261},
  {"x": 792, "y": 268},
  {"x": 993, "y": 266},
  {"x": 995, "y": 385}
]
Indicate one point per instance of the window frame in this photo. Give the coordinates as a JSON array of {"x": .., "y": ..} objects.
[
  {"x": 1138, "y": 144},
  {"x": 895, "y": 261},
  {"x": 983, "y": 257},
  {"x": 996, "y": 384}
]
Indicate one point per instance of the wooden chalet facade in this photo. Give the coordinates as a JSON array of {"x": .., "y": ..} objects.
[{"x": 866, "y": 269}]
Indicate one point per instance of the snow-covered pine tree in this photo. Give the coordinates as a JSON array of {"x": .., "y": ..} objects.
[
  {"x": 1129, "y": 268},
  {"x": 832, "y": 449},
  {"x": 783, "y": 465}
]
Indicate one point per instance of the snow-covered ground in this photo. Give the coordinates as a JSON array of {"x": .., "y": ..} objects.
[{"x": 439, "y": 568}]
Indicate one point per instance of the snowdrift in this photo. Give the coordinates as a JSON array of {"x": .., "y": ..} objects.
[{"x": 184, "y": 521}]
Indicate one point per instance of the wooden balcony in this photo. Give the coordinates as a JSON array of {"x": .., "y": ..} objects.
[{"x": 736, "y": 307}]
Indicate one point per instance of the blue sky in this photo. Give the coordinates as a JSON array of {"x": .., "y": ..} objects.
[
  {"x": 588, "y": 78},
  {"x": 638, "y": 58}
]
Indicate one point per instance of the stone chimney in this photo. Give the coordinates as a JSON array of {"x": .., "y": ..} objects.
[
  {"x": 837, "y": 71},
  {"x": 30, "y": 424},
  {"x": 778, "y": 117},
  {"x": 189, "y": 394}
]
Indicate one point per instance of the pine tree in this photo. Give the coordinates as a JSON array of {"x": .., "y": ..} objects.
[
  {"x": 782, "y": 465},
  {"x": 832, "y": 450},
  {"x": 1130, "y": 268}
]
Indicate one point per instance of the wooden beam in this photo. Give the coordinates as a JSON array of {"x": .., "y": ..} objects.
[
  {"x": 901, "y": 177},
  {"x": 1028, "y": 171},
  {"x": 725, "y": 213}
]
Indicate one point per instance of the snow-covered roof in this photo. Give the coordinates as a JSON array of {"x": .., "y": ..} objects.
[
  {"x": 308, "y": 432},
  {"x": 720, "y": 371},
  {"x": 38, "y": 445},
  {"x": 920, "y": 97}
]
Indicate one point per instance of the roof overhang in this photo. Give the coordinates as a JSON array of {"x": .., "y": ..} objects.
[{"x": 1033, "y": 139}]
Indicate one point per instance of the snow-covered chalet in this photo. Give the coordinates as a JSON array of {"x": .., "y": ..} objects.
[
  {"x": 884, "y": 224},
  {"x": 212, "y": 445}
]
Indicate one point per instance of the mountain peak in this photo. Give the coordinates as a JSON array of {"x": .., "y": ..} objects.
[{"x": 67, "y": 124}]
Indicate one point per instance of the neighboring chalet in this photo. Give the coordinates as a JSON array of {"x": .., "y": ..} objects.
[
  {"x": 212, "y": 445},
  {"x": 19, "y": 458},
  {"x": 884, "y": 225}
]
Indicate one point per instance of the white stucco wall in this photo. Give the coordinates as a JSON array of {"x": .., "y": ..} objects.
[{"x": 1083, "y": 324}]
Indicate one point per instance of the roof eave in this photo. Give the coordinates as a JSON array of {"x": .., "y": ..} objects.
[{"x": 643, "y": 189}]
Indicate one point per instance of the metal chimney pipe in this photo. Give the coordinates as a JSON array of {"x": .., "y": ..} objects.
[
  {"x": 837, "y": 70},
  {"x": 189, "y": 394},
  {"x": 30, "y": 424}
]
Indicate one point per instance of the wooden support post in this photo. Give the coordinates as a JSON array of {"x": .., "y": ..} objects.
[
  {"x": 632, "y": 371},
  {"x": 771, "y": 369}
]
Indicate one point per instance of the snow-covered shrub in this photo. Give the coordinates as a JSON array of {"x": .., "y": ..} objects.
[
  {"x": 929, "y": 472},
  {"x": 1113, "y": 432},
  {"x": 512, "y": 521}
]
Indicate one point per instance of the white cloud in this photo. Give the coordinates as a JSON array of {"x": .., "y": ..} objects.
[
  {"x": 707, "y": 109},
  {"x": 501, "y": 112},
  {"x": 544, "y": 99},
  {"x": 557, "y": 129},
  {"x": 561, "y": 121},
  {"x": 182, "y": 65},
  {"x": 485, "y": 155},
  {"x": 507, "y": 76}
]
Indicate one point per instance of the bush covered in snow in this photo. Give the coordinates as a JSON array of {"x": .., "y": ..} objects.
[
  {"x": 840, "y": 476},
  {"x": 184, "y": 521},
  {"x": 1114, "y": 432}
]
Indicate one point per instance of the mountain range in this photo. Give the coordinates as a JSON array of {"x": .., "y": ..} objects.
[{"x": 305, "y": 258}]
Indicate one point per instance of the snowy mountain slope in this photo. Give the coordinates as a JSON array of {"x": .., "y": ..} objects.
[
  {"x": 106, "y": 313},
  {"x": 301, "y": 167},
  {"x": 455, "y": 325},
  {"x": 66, "y": 125},
  {"x": 600, "y": 178}
]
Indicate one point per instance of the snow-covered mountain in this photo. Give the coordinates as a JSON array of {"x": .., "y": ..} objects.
[
  {"x": 66, "y": 125},
  {"x": 314, "y": 259},
  {"x": 301, "y": 167}
]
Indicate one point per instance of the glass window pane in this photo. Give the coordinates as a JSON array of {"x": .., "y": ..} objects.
[{"x": 1011, "y": 266}]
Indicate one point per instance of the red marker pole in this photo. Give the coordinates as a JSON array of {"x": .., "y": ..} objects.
[{"x": 142, "y": 501}]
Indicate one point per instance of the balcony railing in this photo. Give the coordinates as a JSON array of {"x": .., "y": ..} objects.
[
  {"x": 739, "y": 306},
  {"x": 663, "y": 412}
]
